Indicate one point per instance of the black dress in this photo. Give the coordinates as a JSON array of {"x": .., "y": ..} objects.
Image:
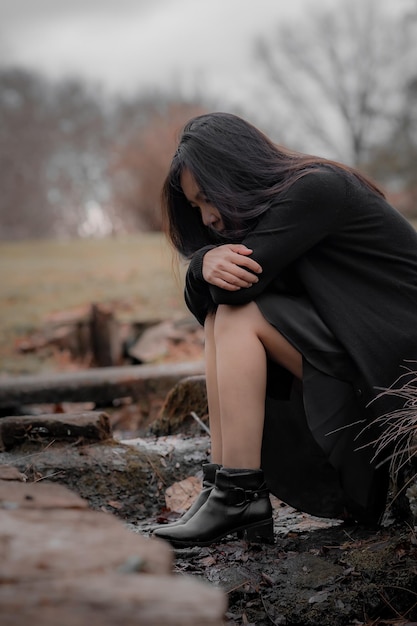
[
  {"x": 316, "y": 454},
  {"x": 339, "y": 281}
]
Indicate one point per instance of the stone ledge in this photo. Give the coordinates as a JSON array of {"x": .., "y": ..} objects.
[
  {"x": 62, "y": 563},
  {"x": 113, "y": 599}
]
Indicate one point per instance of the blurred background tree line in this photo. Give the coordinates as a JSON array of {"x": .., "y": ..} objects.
[{"x": 76, "y": 161}]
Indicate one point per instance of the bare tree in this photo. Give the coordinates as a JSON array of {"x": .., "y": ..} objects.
[
  {"x": 395, "y": 162},
  {"x": 141, "y": 159},
  {"x": 76, "y": 170},
  {"x": 75, "y": 161},
  {"x": 339, "y": 76},
  {"x": 53, "y": 155},
  {"x": 25, "y": 143}
]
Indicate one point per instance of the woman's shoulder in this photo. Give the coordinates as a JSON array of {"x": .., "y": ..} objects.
[
  {"x": 321, "y": 181},
  {"x": 325, "y": 174}
]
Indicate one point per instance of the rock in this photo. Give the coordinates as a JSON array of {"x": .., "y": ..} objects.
[
  {"x": 128, "y": 478},
  {"x": 163, "y": 339},
  {"x": 38, "y": 496},
  {"x": 39, "y": 545},
  {"x": 153, "y": 343},
  {"x": 65, "y": 564},
  {"x": 8, "y": 472},
  {"x": 188, "y": 396},
  {"x": 113, "y": 599}
]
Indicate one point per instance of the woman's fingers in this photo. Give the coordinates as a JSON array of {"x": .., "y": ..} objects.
[
  {"x": 237, "y": 282},
  {"x": 230, "y": 267},
  {"x": 240, "y": 276},
  {"x": 246, "y": 262},
  {"x": 243, "y": 258}
]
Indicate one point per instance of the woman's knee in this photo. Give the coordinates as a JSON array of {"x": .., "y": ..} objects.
[
  {"x": 233, "y": 319},
  {"x": 209, "y": 339},
  {"x": 241, "y": 321},
  {"x": 209, "y": 323}
]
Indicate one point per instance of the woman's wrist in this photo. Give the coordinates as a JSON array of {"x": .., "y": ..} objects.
[{"x": 196, "y": 264}]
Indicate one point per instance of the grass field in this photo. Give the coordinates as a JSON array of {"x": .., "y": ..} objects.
[
  {"x": 39, "y": 278},
  {"x": 134, "y": 274}
]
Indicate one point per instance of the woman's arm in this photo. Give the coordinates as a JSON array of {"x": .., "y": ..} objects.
[
  {"x": 309, "y": 212},
  {"x": 238, "y": 273},
  {"x": 196, "y": 292}
]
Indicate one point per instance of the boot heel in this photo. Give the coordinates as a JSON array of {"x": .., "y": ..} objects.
[{"x": 262, "y": 533}]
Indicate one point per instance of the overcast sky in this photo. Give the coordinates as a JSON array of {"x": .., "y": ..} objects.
[{"x": 135, "y": 44}]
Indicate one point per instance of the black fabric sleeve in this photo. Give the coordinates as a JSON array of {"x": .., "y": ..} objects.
[
  {"x": 197, "y": 293},
  {"x": 308, "y": 213}
]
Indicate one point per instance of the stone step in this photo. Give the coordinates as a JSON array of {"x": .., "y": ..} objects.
[{"x": 63, "y": 563}]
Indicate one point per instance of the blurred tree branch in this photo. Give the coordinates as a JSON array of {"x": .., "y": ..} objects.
[
  {"x": 74, "y": 161},
  {"x": 141, "y": 157},
  {"x": 339, "y": 76}
]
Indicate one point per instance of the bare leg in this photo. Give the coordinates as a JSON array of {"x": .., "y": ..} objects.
[
  {"x": 243, "y": 339},
  {"x": 212, "y": 391},
  {"x": 238, "y": 341}
]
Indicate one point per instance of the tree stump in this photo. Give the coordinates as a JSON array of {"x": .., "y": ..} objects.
[{"x": 105, "y": 341}]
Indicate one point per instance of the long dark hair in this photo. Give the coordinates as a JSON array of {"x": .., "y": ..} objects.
[{"x": 240, "y": 171}]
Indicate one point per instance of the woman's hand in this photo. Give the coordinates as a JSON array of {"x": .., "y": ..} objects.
[{"x": 229, "y": 267}]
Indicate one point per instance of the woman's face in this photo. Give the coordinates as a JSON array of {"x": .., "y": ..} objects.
[{"x": 209, "y": 214}]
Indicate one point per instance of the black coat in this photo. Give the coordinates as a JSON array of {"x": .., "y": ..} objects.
[{"x": 354, "y": 256}]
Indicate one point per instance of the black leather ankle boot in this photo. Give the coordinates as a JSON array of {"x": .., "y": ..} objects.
[
  {"x": 239, "y": 503},
  {"x": 209, "y": 477}
]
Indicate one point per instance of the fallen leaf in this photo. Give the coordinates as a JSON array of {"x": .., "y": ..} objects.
[
  {"x": 115, "y": 504},
  {"x": 321, "y": 596},
  {"x": 166, "y": 516},
  {"x": 267, "y": 579},
  {"x": 207, "y": 561},
  {"x": 180, "y": 496}
]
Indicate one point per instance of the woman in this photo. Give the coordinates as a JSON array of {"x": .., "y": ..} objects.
[{"x": 305, "y": 280}]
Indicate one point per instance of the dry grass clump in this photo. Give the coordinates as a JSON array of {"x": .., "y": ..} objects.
[
  {"x": 400, "y": 426},
  {"x": 397, "y": 443}
]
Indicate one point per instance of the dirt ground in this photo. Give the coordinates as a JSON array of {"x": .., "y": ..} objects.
[{"x": 318, "y": 573}]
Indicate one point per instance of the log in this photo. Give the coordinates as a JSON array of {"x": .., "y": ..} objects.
[
  {"x": 102, "y": 385},
  {"x": 90, "y": 426}
]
